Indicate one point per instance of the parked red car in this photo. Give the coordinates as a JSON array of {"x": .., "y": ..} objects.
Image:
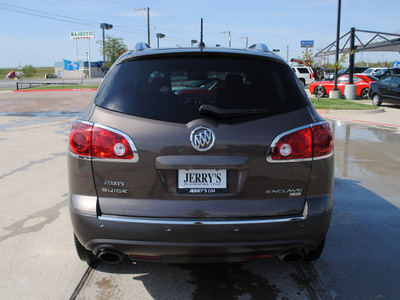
[{"x": 360, "y": 80}]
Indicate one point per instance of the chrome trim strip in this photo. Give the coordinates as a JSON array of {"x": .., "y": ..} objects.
[
  {"x": 275, "y": 141},
  {"x": 84, "y": 122},
  {"x": 77, "y": 156},
  {"x": 133, "y": 220}
]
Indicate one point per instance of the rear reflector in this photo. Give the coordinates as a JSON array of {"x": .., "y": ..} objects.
[
  {"x": 304, "y": 143},
  {"x": 101, "y": 142}
]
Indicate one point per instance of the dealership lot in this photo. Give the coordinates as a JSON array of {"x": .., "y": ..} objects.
[{"x": 360, "y": 260}]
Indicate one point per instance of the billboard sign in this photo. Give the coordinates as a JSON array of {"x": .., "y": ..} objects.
[
  {"x": 307, "y": 44},
  {"x": 77, "y": 35}
]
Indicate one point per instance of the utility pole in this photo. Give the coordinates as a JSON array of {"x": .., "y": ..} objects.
[
  {"x": 287, "y": 53},
  {"x": 148, "y": 22},
  {"x": 247, "y": 40},
  {"x": 229, "y": 33}
]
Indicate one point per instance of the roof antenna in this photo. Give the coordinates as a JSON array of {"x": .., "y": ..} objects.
[{"x": 201, "y": 44}]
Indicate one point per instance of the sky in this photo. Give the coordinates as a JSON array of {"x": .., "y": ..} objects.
[{"x": 38, "y": 32}]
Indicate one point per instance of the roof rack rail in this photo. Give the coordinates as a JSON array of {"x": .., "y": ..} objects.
[
  {"x": 141, "y": 46},
  {"x": 259, "y": 47}
]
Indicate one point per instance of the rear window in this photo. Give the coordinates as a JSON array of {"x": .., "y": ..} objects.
[
  {"x": 184, "y": 89},
  {"x": 303, "y": 70}
]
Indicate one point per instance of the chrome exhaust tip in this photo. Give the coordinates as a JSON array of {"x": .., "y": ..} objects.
[{"x": 110, "y": 256}]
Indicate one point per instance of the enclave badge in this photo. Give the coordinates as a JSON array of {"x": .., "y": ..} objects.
[{"x": 202, "y": 138}]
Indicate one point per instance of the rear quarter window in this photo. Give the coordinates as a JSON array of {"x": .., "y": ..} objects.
[{"x": 173, "y": 89}]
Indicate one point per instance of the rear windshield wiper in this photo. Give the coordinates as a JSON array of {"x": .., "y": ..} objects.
[{"x": 224, "y": 113}]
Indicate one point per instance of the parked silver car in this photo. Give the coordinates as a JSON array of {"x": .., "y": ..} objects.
[{"x": 163, "y": 169}]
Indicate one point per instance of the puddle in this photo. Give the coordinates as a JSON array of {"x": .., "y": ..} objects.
[{"x": 36, "y": 118}]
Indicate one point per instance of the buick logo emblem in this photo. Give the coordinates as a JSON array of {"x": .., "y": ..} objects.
[{"x": 202, "y": 138}]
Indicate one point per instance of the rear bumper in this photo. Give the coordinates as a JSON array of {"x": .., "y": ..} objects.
[{"x": 228, "y": 240}]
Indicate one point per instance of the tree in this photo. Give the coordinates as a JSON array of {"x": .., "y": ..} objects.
[
  {"x": 114, "y": 47},
  {"x": 308, "y": 56},
  {"x": 28, "y": 70}
]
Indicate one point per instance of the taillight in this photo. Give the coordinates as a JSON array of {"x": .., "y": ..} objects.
[
  {"x": 97, "y": 141},
  {"x": 305, "y": 143},
  {"x": 323, "y": 140},
  {"x": 80, "y": 138},
  {"x": 294, "y": 145},
  {"x": 109, "y": 144}
]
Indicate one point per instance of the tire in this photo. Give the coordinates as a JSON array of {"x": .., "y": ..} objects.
[
  {"x": 319, "y": 91},
  {"x": 302, "y": 82},
  {"x": 376, "y": 100},
  {"x": 364, "y": 93},
  {"x": 83, "y": 253},
  {"x": 314, "y": 254}
]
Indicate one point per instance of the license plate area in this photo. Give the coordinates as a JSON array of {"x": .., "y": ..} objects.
[{"x": 202, "y": 181}]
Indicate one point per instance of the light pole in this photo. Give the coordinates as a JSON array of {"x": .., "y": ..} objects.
[
  {"x": 159, "y": 36},
  {"x": 108, "y": 27},
  {"x": 229, "y": 37},
  {"x": 335, "y": 88},
  {"x": 276, "y": 50},
  {"x": 247, "y": 40}
]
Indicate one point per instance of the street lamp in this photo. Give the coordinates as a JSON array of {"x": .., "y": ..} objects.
[
  {"x": 192, "y": 42},
  {"x": 159, "y": 36},
  {"x": 275, "y": 50},
  {"x": 108, "y": 27}
]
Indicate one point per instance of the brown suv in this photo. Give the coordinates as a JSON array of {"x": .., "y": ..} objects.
[{"x": 200, "y": 155}]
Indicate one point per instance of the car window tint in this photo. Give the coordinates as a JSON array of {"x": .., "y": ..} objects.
[
  {"x": 386, "y": 80},
  {"x": 395, "y": 81},
  {"x": 173, "y": 89}
]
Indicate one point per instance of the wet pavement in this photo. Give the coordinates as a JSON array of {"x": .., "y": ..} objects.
[{"x": 360, "y": 260}]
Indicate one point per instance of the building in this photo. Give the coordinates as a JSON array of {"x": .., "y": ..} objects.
[{"x": 95, "y": 69}]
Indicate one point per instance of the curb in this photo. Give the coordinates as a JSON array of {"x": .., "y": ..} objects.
[{"x": 54, "y": 90}]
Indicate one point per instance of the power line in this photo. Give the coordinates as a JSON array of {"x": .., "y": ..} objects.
[
  {"x": 62, "y": 18},
  {"x": 77, "y": 21}
]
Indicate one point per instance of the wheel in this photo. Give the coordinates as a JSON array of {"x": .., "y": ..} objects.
[
  {"x": 83, "y": 253},
  {"x": 376, "y": 100},
  {"x": 364, "y": 93},
  {"x": 319, "y": 91},
  {"x": 303, "y": 82},
  {"x": 314, "y": 254}
]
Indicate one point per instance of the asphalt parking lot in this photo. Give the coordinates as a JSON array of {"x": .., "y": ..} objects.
[{"x": 360, "y": 260}]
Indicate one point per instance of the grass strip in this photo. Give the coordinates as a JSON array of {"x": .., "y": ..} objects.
[{"x": 340, "y": 104}]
